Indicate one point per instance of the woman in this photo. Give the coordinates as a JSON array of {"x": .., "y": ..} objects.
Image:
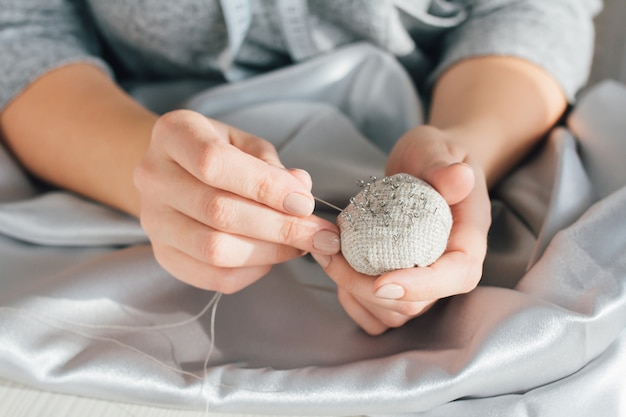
[{"x": 498, "y": 75}]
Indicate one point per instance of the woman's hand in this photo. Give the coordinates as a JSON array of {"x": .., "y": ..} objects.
[
  {"x": 220, "y": 208},
  {"x": 486, "y": 114},
  {"x": 379, "y": 303}
]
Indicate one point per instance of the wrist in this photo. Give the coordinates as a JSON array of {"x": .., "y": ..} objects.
[{"x": 498, "y": 108}]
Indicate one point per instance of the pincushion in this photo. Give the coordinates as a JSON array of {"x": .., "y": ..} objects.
[{"x": 392, "y": 223}]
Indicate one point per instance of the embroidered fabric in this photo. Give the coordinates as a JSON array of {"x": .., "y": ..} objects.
[{"x": 393, "y": 223}]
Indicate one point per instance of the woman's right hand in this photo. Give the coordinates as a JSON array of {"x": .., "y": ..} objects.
[{"x": 219, "y": 207}]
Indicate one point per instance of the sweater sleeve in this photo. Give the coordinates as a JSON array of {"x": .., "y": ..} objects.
[
  {"x": 37, "y": 36},
  {"x": 556, "y": 35}
]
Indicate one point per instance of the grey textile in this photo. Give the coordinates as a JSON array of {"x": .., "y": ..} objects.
[
  {"x": 234, "y": 39},
  {"x": 395, "y": 222},
  {"x": 543, "y": 335}
]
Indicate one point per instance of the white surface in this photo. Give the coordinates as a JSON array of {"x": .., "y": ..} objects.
[{"x": 20, "y": 401}]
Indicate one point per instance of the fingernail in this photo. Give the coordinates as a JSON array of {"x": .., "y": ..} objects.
[
  {"x": 326, "y": 241},
  {"x": 323, "y": 260},
  {"x": 390, "y": 292},
  {"x": 298, "y": 204}
]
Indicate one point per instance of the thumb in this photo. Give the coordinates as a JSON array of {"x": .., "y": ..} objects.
[
  {"x": 427, "y": 153},
  {"x": 454, "y": 182}
]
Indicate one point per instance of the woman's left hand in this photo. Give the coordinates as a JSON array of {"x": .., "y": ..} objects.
[{"x": 390, "y": 300}]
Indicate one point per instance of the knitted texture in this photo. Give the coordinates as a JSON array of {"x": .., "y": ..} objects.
[{"x": 392, "y": 223}]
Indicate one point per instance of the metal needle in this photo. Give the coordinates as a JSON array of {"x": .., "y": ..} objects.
[{"x": 328, "y": 204}]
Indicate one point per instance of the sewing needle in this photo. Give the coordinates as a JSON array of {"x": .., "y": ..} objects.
[{"x": 328, "y": 204}]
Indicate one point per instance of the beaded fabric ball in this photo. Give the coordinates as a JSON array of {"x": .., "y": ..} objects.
[{"x": 393, "y": 223}]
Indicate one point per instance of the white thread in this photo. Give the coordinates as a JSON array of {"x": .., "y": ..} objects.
[
  {"x": 205, "y": 367},
  {"x": 212, "y": 304},
  {"x": 50, "y": 322},
  {"x": 118, "y": 327},
  {"x": 59, "y": 323},
  {"x": 43, "y": 319}
]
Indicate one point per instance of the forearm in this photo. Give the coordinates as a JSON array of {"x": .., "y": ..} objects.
[
  {"x": 76, "y": 129},
  {"x": 497, "y": 109}
]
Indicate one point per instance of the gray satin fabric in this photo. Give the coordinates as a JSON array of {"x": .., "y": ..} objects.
[{"x": 543, "y": 334}]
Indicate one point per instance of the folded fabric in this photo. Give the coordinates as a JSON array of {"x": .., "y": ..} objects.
[{"x": 85, "y": 309}]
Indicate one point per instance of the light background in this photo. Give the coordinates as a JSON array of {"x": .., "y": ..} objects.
[{"x": 20, "y": 401}]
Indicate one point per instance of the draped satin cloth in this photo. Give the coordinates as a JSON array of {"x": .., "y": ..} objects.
[{"x": 542, "y": 335}]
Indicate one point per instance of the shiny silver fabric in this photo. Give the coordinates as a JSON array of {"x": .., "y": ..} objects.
[{"x": 543, "y": 334}]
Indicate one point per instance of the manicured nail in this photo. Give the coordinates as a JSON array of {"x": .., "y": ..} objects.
[
  {"x": 390, "y": 292},
  {"x": 323, "y": 260},
  {"x": 298, "y": 204},
  {"x": 327, "y": 241}
]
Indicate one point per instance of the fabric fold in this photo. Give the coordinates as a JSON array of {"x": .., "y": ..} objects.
[{"x": 85, "y": 309}]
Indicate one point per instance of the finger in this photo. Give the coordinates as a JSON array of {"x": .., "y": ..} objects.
[
  {"x": 395, "y": 313},
  {"x": 338, "y": 269},
  {"x": 420, "y": 149},
  {"x": 201, "y": 275},
  {"x": 454, "y": 182},
  {"x": 229, "y": 159},
  {"x": 450, "y": 275},
  {"x": 251, "y": 144},
  {"x": 303, "y": 176},
  {"x": 216, "y": 248},
  {"x": 426, "y": 153},
  {"x": 386, "y": 308},
  {"x": 360, "y": 315},
  {"x": 233, "y": 214}
]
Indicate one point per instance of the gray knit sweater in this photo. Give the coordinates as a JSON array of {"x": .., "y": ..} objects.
[{"x": 233, "y": 39}]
